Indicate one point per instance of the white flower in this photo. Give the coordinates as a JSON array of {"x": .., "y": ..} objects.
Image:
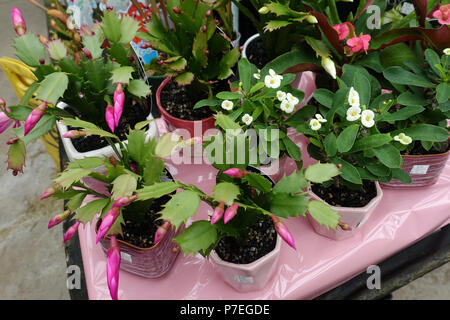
[
  {"x": 286, "y": 106},
  {"x": 315, "y": 124},
  {"x": 281, "y": 95},
  {"x": 247, "y": 119},
  {"x": 227, "y": 105},
  {"x": 320, "y": 118},
  {"x": 272, "y": 80},
  {"x": 447, "y": 51},
  {"x": 353, "y": 113},
  {"x": 257, "y": 76},
  {"x": 353, "y": 98},
  {"x": 403, "y": 138},
  {"x": 329, "y": 67},
  {"x": 367, "y": 118},
  {"x": 293, "y": 100}
]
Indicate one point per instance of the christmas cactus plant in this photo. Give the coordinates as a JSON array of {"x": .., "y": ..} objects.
[
  {"x": 420, "y": 106},
  {"x": 96, "y": 89}
]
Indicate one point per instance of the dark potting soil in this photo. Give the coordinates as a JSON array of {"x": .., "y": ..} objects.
[
  {"x": 343, "y": 196},
  {"x": 132, "y": 114},
  {"x": 141, "y": 233},
  {"x": 256, "y": 53},
  {"x": 179, "y": 102},
  {"x": 261, "y": 240},
  {"x": 418, "y": 149}
]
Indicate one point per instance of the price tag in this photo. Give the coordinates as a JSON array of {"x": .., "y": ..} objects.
[
  {"x": 419, "y": 169},
  {"x": 126, "y": 257},
  {"x": 243, "y": 279},
  {"x": 407, "y": 8}
]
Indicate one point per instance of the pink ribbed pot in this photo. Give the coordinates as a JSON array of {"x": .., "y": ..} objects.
[{"x": 354, "y": 217}]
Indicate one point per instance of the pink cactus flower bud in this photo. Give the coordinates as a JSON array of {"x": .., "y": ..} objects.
[
  {"x": 284, "y": 233},
  {"x": 107, "y": 222},
  {"x": 87, "y": 53},
  {"x": 218, "y": 213},
  {"x": 145, "y": 45},
  {"x": 41, "y": 60},
  {"x": 113, "y": 267},
  {"x": 241, "y": 48},
  {"x": 124, "y": 201},
  {"x": 2, "y": 105},
  {"x": 176, "y": 10},
  {"x": 204, "y": 28},
  {"x": 206, "y": 52},
  {"x": 12, "y": 141},
  {"x": 43, "y": 39},
  {"x": 134, "y": 168},
  {"x": 235, "y": 172},
  {"x": 34, "y": 117},
  {"x": 72, "y": 134},
  {"x": 131, "y": 58},
  {"x": 344, "y": 226},
  {"x": 208, "y": 13},
  {"x": 5, "y": 122},
  {"x": 18, "y": 21},
  {"x": 58, "y": 219},
  {"x": 16, "y": 124},
  {"x": 161, "y": 232},
  {"x": 230, "y": 213},
  {"x": 50, "y": 191},
  {"x": 71, "y": 231},
  {"x": 109, "y": 116},
  {"x": 119, "y": 99},
  {"x": 113, "y": 161}
]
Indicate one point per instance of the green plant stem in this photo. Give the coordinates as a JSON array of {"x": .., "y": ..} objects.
[
  {"x": 113, "y": 146},
  {"x": 334, "y": 16}
]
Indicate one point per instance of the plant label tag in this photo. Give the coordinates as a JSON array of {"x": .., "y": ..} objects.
[
  {"x": 407, "y": 8},
  {"x": 243, "y": 279},
  {"x": 126, "y": 257},
  {"x": 419, "y": 169}
]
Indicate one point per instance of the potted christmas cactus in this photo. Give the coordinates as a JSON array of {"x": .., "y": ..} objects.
[
  {"x": 344, "y": 131},
  {"x": 99, "y": 88},
  {"x": 197, "y": 59},
  {"x": 123, "y": 197},
  {"x": 418, "y": 112}
]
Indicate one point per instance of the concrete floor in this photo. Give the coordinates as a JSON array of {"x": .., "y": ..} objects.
[{"x": 32, "y": 258}]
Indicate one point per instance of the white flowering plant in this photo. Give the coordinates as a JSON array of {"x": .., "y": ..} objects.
[
  {"x": 344, "y": 131},
  {"x": 262, "y": 101}
]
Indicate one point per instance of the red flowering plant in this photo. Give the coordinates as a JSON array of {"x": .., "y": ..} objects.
[{"x": 366, "y": 38}]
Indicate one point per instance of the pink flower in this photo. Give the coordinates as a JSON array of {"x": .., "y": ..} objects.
[
  {"x": 119, "y": 99},
  {"x": 112, "y": 267},
  {"x": 283, "y": 231},
  {"x": 161, "y": 232},
  {"x": 71, "y": 231},
  {"x": 50, "y": 191},
  {"x": 443, "y": 14},
  {"x": 5, "y": 122},
  {"x": 218, "y": 213},
  {"x": 72, "y": 134},
  {"x": 343, "y": 30},
  {"x": 109, "y": 116},
  {"x": 34, "y": 117},
  {"x": 230, "y": 212},
  {"x": 357, "y": 44},
  {"x": 107, "y": 222},
  {"x": 235, "y": 172},
  {"x": 58, "y": 219},
  {"x": 124, "y": 201},
  {"x": 18, "y": 21}
]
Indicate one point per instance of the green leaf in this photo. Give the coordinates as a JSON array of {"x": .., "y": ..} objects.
[
  {"x": 324, "y": 97},
  {"x": 137, "y": 147},
  {"x": 207, "y": 103},
  {"x": 199, "y": 47},
  {"x": 111, "y": 26},
  {"x": 372, "y": 141},
  {"x": 442, "y": 92},
  {"x": 153, "y": 170},
  {"x": 330, "y": 144},
  {"x": 123, "y": 186},
  {"x": 227, "y": 62},
  {"x": 68, "y": 177},
  {"x": 75, "y": 202},
  {"x": 226, "y": 192},
  {"x": 399, "y": 75},
  {"x": 87, "y": 212},
  {"x": 16, "y": 156},
  {"x": 402, "y": 114},
  {"x": 225, "y": 122},
  {"x": 433, "y": 60},
  {"x": 128, "y": 29},
  {"x": 226, "y": 95},
  {"x": 95, "y": 74},
  {"x": 362, "y": 86},
  {"x": 122, "y": 75},
  {"x": 56, "y": 49},
  {"x": 198, "y": 237},
  {"x": 46, "y": 124},
  {"x": 85, "y": 163},
  {"x": 426, "y": 132},
  {"x": 291, "y": 184},
  {"x": 323, "y": 214},
  {"x": 389, "y": 156},
  {"x": 273, "y": 25},
  {"x": 378, "y": 169},
  {"x": 287, "y": 205},
  {"x": 259, "y": 182},
  {"x": 182, "y": 205},
  {"x": 139, "y": 88},
  {"x": 52, "y": 87},
  {"x": 401, "y": 175},
  {"x": 185, "y": 78},
  {"x": 258, "y": 86},
  {"x": 246, "y": 71},
  {"x": 166, "y": 144},
  {"x": 347, "y": 137},
  {"x": 411, "y": 100},
  {"x": 156, "y": 190},
  {"x": 19, "y": 112},
  {"x": 321, "y": 172},
  {"x": 94, "y": 45},
  {"x": 349, "y": 172},
  {"x": 29, "y": 49},
  {"x": 292, "y": 149}
]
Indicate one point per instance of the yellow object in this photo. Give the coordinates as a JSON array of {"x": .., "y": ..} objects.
[{"x": 20, "y": 77}]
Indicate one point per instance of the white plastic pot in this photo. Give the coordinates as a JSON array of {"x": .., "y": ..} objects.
[{"x": 246, "y": 43}]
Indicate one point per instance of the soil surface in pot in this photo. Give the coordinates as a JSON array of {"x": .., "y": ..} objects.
[
  {"x": 418, "y": 149},
  {"x": 141, "y": 233},
  {"x": 179, "y": 101},
  {"x": 344, "y": 196},
  {"x": 256, "y": 53},
  {"x": 261, "y": 240},
  {"x": 132, "y": 114}
]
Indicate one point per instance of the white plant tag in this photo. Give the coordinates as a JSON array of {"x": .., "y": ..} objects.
[
  {"x": 126, "y": 257},
  {"x": 407, "y": 8},
  {"x": 243, "y": 279},
  {"x": 419, "y": 169}
]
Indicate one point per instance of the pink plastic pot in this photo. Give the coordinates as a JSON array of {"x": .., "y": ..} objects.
[
  {"x": 248, "y": 277},
  {"x": 195, "y": 128},
  {"x": 151, "y": 262},
  {"x": 424, "y": 170},
  {"x": 354, "y": 217}
]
